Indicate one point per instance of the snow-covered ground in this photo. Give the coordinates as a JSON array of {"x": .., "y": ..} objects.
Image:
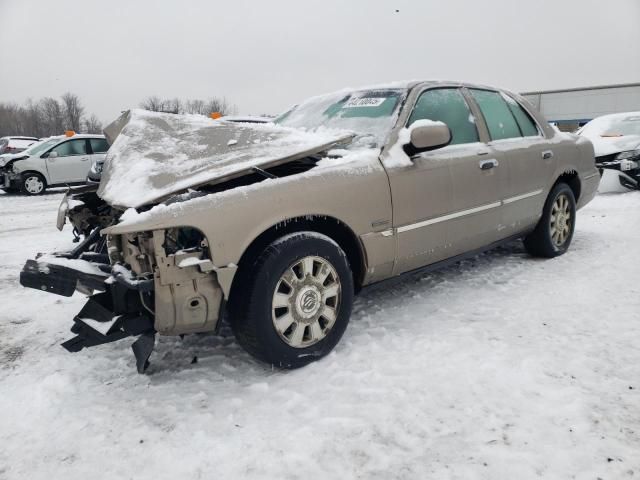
[{"x": 502, "y": 367}]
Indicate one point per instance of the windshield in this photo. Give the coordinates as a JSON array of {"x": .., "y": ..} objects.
[
  {"x": 366, "y": 112},
  {"x": 38, "y": 148},
  {"x": 619, "y": 125}
]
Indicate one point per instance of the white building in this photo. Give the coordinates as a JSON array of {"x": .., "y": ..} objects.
[{"x": 573, "y": 107}]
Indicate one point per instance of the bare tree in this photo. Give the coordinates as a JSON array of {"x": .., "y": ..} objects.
[
  {"x": 153, "y": 104},
  {"x": 46, "y": 117},
  {"x": 196, "y": 106},
  {"x": 53, "y": 114},
  {"x": 33, "y": 118},
  {"x": 221, "y": 105},
  {"x": 73, "y": 111},
  {"x": 92, "y": 125}
]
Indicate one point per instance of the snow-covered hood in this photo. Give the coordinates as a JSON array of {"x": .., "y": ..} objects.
[
  {"x": 154, "y": 155},
  {"x": 610, "y": 145}
]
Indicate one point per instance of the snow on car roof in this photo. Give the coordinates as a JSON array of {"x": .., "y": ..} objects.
[{"x": 18, "y": 137}]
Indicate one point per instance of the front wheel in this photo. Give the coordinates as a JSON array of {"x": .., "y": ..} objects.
[
  {"x": 552, "y": 236},
  {"x": 294, "y": 305},
  {"x": 33, "y": 184}
]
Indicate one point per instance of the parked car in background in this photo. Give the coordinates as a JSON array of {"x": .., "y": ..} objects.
[
  {"x": 62, "y": 160},
  {"x": 15, "y": 144},
  {"x": 281, "y": 224},
  {"x": 616, "y": 140}
]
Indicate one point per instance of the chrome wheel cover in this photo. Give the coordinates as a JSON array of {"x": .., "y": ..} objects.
[
  {"x": 561, "y": 220},
  {"x": 306, "y": 302},
  {"x": 33, "y": 184}
]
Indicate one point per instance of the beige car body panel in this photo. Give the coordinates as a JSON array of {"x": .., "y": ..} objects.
[{"x": 404, "y": 217}]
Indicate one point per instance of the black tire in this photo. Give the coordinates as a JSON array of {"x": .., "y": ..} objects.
[
  {"x": 28, "y": 180},
  {"x": 10, "y": 189},
  {"x": 251, "y": 306},
  {"x": 541, "y": 242}
]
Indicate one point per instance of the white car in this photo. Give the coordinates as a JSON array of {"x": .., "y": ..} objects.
[
  {"x": 57, "y": 161},
  {"x": 15, "y": 144},
  {"x": 616, "y": 141}
]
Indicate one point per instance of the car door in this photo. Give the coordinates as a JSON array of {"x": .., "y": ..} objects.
[
  {"x": 99, "y": 148},
  {"x": 444, "y": 202},
  {"x": 528, "y": 155},
  {"x": 70, "y": 163}
]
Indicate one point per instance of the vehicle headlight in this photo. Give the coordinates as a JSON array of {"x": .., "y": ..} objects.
[
  {"x": 96, "y": 168},
  {"x": 62, "y": 212},
  {"x": 629, "y": 155}
]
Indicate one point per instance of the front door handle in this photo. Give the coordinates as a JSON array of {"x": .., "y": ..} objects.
[
  {"x": 488, "y": 164},
  {"x": 547, "y": 154}
]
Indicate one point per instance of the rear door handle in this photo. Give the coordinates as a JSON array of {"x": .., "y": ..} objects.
[
  {"x": 488, "y": 164},
  {"x": 547, "y": 154}
]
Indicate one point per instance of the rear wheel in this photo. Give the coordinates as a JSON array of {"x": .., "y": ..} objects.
[
  {"x": 554, "y": 232},
  {"x": 33, "y": 183},
  {"x": 294, "y": 305}
]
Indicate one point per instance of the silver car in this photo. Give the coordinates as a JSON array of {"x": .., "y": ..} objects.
[{"x": 281, "y": 224}]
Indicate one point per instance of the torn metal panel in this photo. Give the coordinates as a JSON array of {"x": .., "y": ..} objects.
[{"x": 154, "y": 155}]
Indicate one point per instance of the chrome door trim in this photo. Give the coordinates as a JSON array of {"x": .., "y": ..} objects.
[
  {"x": 450, "y": 216},
  {"x": 463, "y": 213},
  {"x": 521, "y": 197}
]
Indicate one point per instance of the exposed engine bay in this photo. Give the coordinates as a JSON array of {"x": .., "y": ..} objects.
[{"x": 143, "y": 283}]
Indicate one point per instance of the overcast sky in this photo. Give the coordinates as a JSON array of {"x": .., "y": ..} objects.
[{"x": 265, "y": 55}]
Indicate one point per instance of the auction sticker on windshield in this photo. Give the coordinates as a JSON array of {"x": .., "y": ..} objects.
[{"x": 355, "y": 102}]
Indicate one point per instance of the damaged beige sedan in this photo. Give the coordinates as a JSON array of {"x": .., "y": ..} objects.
[{"x": 280, "y": 224}]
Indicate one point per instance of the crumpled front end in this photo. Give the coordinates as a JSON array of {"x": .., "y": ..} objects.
[
  {"x": 620, "y": 171},
  {"x": 139, "y": 284}
]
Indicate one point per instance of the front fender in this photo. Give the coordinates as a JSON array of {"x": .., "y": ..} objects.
[
  {"x": 355, "y": 192},
  {"x": 31, "y": 165}
]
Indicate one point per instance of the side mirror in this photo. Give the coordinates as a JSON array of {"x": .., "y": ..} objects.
[
  {"x": 426, "y": 135},
  {"x": 52, "y": 155}
]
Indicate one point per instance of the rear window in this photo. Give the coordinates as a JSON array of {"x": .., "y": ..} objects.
[
  {"x": 99, "y": 145},
  {"x": 525, "y": 122},
  {"x": 498, "y": 116}
]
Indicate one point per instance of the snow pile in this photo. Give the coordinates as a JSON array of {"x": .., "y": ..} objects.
[
  {"x": 614, "y": 125},
  {"x": 155, "y": 154},
  {"x": 74, "y": 264},
  {"x": 502, "y": 367}
]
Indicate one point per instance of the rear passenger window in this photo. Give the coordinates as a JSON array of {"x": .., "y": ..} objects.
[
  {"x": 449, "y": 106},
  {"x": 72, "y": 147},
  {"x": 525, "y": 122},
  {"x": 99, "y": 145},
  {"x": 496, "y": 112}
]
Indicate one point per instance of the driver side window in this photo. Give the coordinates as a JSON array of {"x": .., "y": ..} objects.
[
  {"x": 72, "y": 147},
  {"x": 449, "y": 106}
]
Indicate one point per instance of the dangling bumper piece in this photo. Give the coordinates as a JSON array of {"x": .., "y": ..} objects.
[{"x": 115, "y": 312}]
